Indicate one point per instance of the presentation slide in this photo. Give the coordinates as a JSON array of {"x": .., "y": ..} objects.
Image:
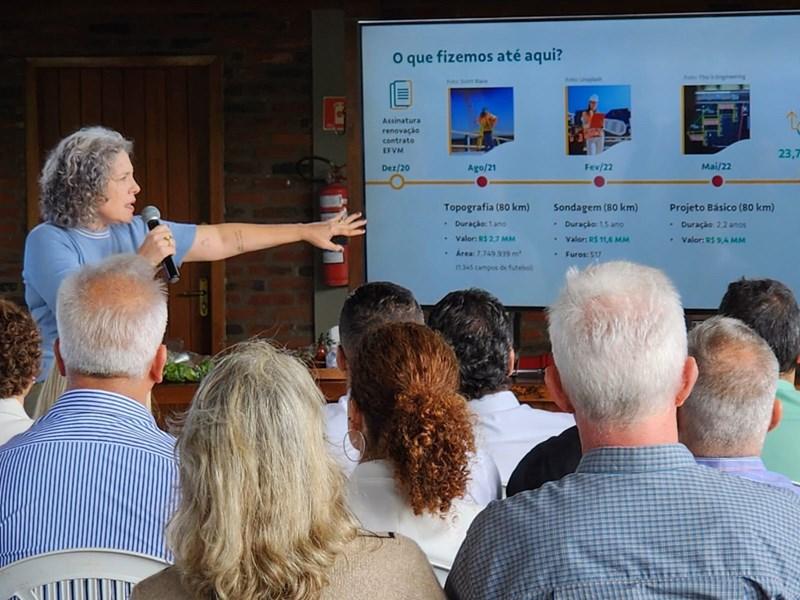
[{"x": 497, "y": 154}]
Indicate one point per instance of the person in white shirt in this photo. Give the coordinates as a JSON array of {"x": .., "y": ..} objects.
[
  {"x": 415, "y": 435},
  {"x": 20, "y": 354},
  {"x": 476, "y": 325},
  {"x": 367, "y": 307}
]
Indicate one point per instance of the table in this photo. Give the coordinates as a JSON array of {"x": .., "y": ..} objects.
[{"x": 172, "y": 399}]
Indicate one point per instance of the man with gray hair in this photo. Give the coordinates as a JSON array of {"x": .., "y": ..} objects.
[
  {"x": 95, "y": 471},
  {"x": 732, "y": 405},
  {"x": 770, "y": 308},
  {"x": 639, "y": 518}
]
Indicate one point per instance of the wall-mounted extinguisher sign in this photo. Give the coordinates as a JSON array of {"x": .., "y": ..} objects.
[
  {"x": 333, "y": 114},
  {"x": 332, "y": 204}
]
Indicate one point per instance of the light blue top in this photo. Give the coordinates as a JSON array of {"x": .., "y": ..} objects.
[
  {"x": 634, "y": 523},
  {"x": 749, "y": 467},
  {"x": 52, "y": 253},
  {"x": 94, "y": 472}
]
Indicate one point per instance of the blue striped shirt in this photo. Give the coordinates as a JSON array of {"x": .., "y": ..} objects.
[
  {"x": 634, "y": 523},
  {"x": 94, "y": 472}
]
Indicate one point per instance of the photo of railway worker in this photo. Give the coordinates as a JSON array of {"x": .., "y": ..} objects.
[
  {"x": 597, "y": 118},
  {"x": 481, "y": 119}
]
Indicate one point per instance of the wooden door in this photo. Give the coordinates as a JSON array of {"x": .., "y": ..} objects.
[{"x": 168, "y": 112}]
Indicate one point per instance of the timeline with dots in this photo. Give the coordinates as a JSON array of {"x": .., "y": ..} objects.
[{"x": 499, "y": 153}]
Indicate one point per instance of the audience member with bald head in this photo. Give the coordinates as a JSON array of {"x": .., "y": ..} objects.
[
  {"x": 639, "y": 518},
  {"x": 121, "y": 468},
  {"x": 732, "y": 405}
]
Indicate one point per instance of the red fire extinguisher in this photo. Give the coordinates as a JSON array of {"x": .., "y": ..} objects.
[{"x": 332, "y": 202}]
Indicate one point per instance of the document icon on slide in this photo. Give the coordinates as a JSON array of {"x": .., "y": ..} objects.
[{"x": 400, "y": 94}]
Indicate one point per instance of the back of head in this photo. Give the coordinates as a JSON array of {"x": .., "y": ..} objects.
[
  {"x": 729, "y": 410},
  {"x": 770, "y": 309},
  {"x": 619, "y": 341},
  {"x": 20, "y": 350},
  {"x": 262, "y": 512},
  {"x": 478, "y": 328},
  {"x": 405, "y": 384},
  {"x": 75, "y": 174},
  {"x": 111, "y": 318},
  {"x": 372, "y": 305}
]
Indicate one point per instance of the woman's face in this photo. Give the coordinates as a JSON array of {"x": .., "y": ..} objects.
[{"x": 120, "y": 193}]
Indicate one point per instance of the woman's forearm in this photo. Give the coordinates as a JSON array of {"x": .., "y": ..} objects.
[{"x": 217, "y": 242}]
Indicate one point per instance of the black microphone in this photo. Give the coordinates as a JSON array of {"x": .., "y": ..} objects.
[{"x": 151, "y": 216}]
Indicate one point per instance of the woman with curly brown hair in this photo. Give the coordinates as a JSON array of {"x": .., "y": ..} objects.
[
  {"x": 415, "y": 434},
  {"x": 262, "y": 513},
  {"x": 19, "y": 364}
]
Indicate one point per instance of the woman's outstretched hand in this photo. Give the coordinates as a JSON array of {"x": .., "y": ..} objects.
[{"x": 320, "y": 233}]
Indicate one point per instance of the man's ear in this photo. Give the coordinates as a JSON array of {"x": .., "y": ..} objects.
[
  {"x": 59, "y": 359},
  {"x": 688, "y": 379},
  {"x": 157, "y": 366},
  {"x": 512, "y": 360},
  {"x": 777, "y": 414},
  {"x": 552, "y": 379}
]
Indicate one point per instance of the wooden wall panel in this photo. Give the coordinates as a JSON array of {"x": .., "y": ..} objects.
[
  {"x": 198, "y": 158},
  {"x": 91, "y": 97},
  {"x": 177, "y": 137},
  {"x": 155, "y": 113},
  {"x": 184, "y": 307},
  {"x": 69, "y": 100},
  {"x": 112, "y": 100},
  {"x": 198, "y": 131},
  {"x": 49, "y": 112},
  {"x": 134, "y": 127}
]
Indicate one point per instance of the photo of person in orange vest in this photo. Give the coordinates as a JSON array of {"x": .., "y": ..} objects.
[
  {"x": 487, "y": 122},
  {"x": 593, "y": 122}
]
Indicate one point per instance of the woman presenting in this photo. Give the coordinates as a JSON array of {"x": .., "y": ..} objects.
[{"x": 88, "y": 194}]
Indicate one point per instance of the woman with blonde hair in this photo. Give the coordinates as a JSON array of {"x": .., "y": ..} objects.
[
  {"x": 262, "y": 512},
  {"x": 415, "y": 433}
]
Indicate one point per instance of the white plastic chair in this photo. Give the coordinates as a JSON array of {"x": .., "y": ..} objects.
[{"x": 77, "y": 574}]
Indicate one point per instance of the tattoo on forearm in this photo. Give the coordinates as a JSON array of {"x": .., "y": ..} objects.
[{"x": 239, "y": 241}]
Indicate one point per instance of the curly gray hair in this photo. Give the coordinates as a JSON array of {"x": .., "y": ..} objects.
[{"x": 75, "y": 175}]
